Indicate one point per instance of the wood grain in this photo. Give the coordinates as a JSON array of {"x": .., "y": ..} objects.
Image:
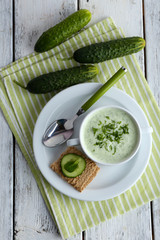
[
  {"x": 6, "y": 140},
  {"x": 29, "y": 218},
  {"x": 152, "y": 35},
  {"x": 131, "y": 226},
  {"x": 32, "y": 219}
]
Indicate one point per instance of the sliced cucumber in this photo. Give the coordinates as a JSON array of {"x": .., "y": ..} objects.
[{"x": 72, "y": 165}]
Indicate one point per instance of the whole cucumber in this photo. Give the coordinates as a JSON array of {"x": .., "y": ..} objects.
[
  {"x": 63, "y": 30},
  {"x": 103, "y": 51},
  {"x": 61, "y": 79}
]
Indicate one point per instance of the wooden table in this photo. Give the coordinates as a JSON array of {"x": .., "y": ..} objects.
[{"x": 23, "y": 214}]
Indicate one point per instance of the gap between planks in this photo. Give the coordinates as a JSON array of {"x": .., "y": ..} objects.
[{"x": 14, "y": 141}]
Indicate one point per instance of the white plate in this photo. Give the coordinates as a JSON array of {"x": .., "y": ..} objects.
[{"x": 111, "y": 180}]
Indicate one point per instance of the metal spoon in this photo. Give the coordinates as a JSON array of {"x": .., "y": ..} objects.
[{"x": 61, "y": 130}]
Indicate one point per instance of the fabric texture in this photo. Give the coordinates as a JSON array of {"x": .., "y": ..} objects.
[{"x": 21, "y": 110}]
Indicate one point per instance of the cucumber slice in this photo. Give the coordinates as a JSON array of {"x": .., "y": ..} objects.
[{"x": 72, "y": 165}]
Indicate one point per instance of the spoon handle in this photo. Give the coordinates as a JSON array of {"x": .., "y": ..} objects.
[{"x": 104, "y": 88}]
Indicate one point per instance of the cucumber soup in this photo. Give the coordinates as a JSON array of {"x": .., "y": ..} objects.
[{"x": 110, "y": 135}]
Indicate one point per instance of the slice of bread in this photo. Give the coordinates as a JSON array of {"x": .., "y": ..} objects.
[{"x": 80, "y": 182}]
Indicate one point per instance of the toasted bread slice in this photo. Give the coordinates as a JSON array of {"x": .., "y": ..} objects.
[{"x": 80, "y": 182}]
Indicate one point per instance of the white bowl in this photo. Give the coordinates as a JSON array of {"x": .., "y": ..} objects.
[{"x": 135, "y": 147}]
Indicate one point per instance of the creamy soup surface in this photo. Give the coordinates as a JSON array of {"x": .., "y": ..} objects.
[{"x": 110, "y": 135}]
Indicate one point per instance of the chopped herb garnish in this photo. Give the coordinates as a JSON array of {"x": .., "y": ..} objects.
[
  {"x": 114, "y": 150},
  {"x": 110, "y": 147},
  {"x": 100, "y": 137},
  {"x": 100, "y": 144},
  {"x": 108, "y": 133},
  {"x": 106, "y": 148},
  {"x": 99, "y": 122},
  {"x": 94, "y": 130}
]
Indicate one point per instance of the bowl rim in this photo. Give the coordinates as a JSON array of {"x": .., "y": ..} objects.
[{"x": 137, "y": 144}]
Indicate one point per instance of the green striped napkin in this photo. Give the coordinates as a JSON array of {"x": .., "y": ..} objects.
[{"x": 21, "y": 110}]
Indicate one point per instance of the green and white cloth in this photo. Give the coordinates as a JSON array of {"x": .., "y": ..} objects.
[{"x": 21, "y": 110}]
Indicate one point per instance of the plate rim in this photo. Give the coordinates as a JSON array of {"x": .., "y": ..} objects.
[{"x": 45, "y": 109}]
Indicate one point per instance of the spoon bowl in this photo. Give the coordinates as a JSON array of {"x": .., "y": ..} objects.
[{"x": 56, "y": 133}]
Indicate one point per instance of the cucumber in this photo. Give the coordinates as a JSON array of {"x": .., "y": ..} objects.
[
  {"x": 63, "y": 30},
  {"x": 60, "y": 79},
  {"x": 103, "y": 51},
  {"x": 72, "y": 165}
]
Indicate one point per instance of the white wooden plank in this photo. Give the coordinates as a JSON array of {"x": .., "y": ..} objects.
[
  {"x": 6, "y": 179},
  {"x": 152, "y": 35},
  {"x": 6, "y": 32},
  {"x": 6, "y": 140},
  {"x": 32, "y": 219},
  {"x": 131, "y": 226},
  {"x": 128, "y": 15}
]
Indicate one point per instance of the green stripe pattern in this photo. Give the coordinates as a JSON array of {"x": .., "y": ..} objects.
[{"x": 21, "y": 110}]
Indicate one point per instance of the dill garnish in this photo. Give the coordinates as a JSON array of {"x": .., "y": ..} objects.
[{"x": 109, "y": 134}]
